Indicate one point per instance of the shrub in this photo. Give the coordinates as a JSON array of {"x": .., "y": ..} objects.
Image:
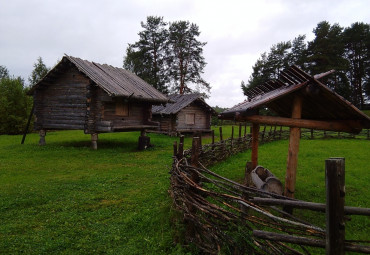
[{"x": 15, "y": 105}]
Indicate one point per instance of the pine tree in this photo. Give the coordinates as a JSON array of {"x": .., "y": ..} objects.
[
  {"x": 39, "y": 71},
  {"x": 326, "y": 52},
  {"x": 4, "y": 73},
  {"x": 185, "y": 58},
  {"x": 146, "y": 58},
  {"x": 357, "y": 47}
]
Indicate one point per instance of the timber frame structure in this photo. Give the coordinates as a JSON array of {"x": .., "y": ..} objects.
[
  {"x": 83, "y": 95},
  {"x": 300, "y": 101},
  {"x": 185, "y": 113}
]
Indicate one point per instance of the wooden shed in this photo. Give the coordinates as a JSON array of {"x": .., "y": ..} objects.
[
  {"x": 299, "y": 101},
  {"x": 96, "y": 98},
  {"x": 185, "y": 113}
]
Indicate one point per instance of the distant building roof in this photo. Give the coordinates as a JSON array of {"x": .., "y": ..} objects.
[
  {"x": 117, "y": 82},
  {"x": 319, "y": 101},
  {"x": 179, "y": 102}
]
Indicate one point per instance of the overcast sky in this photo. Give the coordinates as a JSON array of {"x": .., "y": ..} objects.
[{"x": 236, "y": 31}]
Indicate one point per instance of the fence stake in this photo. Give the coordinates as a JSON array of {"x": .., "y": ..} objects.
[
  {"x": 311, "y": 133},
  {"x": 213, "y": 136},
  {"x": 232, "y": 135},
  {"x": 245, "y": 128},
  {"x": 335, "y": 192},
  {"x": 240, "y": 130},
  {"x": 175, "y": 148},
  {"x": 263, "y": 133},
  {"x": 221, "y": 134},
  {"x": 255, "y": 133}
]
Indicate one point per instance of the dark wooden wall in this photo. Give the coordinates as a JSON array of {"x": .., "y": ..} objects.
[
  {"x": 202, "y": 118},
  {"x": 72, "y": 101},
  {"x": 167, "y": 122},
  {"x": 62, "y": 103}
]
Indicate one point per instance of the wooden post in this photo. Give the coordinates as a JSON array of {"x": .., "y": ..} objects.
[
  {"x": 213, "y": 136},
  {"x": 312, "y": 133},
  {"x": 221, "y": 139},
  {"x": 232, "y": 134},
  {"x": 245, "y": 128},
  {"x": 368, "y": 134},
  {"x": 28, "y": 124},
  {"x": 42, "y": 134},
  {"x": 292, "y": 161},
  {"x": 195, "y": 151},
  {"x": 94, "y": 141},
  {"x": 180, "y": 153},
  {"x": 240, "y": 130},
  {"x": 175, "y": 148},
  {"x": 335, "y": 193},
  {"x": 263, "y": 134},
  {"x": 255, "y": 134},
  {"x": 247, "y": 177}
]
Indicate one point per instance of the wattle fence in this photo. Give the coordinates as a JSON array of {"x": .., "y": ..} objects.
[{"x": 226, "y": 217}]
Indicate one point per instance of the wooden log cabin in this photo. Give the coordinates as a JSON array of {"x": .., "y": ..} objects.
[
  {"x": 96, "y": 98},
  {"x": 185, "y": 113}
]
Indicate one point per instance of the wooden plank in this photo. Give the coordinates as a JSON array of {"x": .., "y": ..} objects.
[
  {"x": 350, "y": 126},
  {"x": 318, "y": 207},
  {"x": 289, "y": 238},
  {"x": 305, "y": 241},
  {"x": 335, "y": 192}
]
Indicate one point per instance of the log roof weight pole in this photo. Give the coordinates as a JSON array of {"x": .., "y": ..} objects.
[{"x": 294, "y": 139}]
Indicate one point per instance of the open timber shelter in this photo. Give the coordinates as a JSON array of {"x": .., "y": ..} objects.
[
  {"x": 300, "y": 101},
  {"x": 96, "y": 98},
  {"x": 185, "y": 113}
]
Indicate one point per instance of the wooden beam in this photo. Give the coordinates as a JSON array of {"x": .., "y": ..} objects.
[
  {"x": 255, "y": 134},
  {"x": 350, "y": 126},
  {"x": 294, "y": 138}
]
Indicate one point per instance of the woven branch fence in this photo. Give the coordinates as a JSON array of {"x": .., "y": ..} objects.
[{"x": 223, "y": 217}]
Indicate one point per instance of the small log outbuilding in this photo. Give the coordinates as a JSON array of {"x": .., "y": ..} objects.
[
  {"x": 79, "y": 94},
  {"x": 183, "y": 114},
  {"x": 299, "y": 101}
]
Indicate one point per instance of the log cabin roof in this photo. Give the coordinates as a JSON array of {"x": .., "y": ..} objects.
[
  {"x": 179, "y": 102},
  {"x": 319, "y": 101},
  {"x": 116, "y": 82}
]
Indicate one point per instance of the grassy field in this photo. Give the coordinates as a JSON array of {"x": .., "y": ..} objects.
[{"x": 65, "y": 198}]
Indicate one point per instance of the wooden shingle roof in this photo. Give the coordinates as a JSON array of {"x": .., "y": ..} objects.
[
  {"x": 117, "y": 82},
  {"x": 179, "y": 102},
  {"x": 319, "y": 101}
]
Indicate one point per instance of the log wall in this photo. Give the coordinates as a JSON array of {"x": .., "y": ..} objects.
[
  {"x": 62, "y": 104},
  {"x": 202, "y": 119}
]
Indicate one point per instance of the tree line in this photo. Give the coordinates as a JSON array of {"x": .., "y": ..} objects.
[
  {"x": 15, "y": 104},
  {"x": 169, "y": 56},
  {"x": 346, "y": 50}
]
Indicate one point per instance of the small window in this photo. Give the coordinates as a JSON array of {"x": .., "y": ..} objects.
[
  {"x": 121, "y": 108},
  {"x": 190, "y": 119}
]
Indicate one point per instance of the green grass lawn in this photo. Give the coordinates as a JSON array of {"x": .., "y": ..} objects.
[{"x": 64, "y": 198}]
